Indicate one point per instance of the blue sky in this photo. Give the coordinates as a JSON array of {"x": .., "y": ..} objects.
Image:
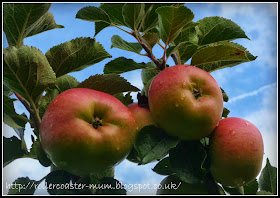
[{"x": 251, "y": 87}]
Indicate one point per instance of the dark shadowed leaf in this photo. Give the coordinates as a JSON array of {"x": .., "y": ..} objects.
[
  {"x": 268, "y": 178},
  {"x": 108, "y": 83},
  {"x": 163, "y": 167},
  {"x": 36, "y": 149},
  {"x": 215, "y": 29},
  {"x": 75, "y": 55},
  {"x": 111, "y": 186},
  {"x": 186, "y": 160},
  {"x": 12, "y": 150},
  {"x": 23, "y": 186},
  {"x": 58, "y": 177},
  {"x": 234, "y": 191},
  {"x": 251, "y": 188},
  {"x": 10, "y": 117},
  {"x": 153, "y": 143},
  {"x": 27, "y": 72}
]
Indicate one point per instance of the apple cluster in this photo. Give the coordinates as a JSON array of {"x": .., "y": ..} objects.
[
  {"x": 187, "y": 103},
  {"x": 85, "y": 131}
]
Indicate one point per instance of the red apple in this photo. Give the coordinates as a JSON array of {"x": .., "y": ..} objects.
[
  {"x": 142, "y": 115},
  {"x": 186, "y": 102},
  {"x": 84, "y": 131},
  {"x": 236, "y": 151}
]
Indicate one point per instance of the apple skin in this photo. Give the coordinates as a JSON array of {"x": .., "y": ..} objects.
[
  {"x": 174, "y": 186},
  {"x": 236, "y": 151},
  {"x": 142, "y": 115},
  {"x": 175, "y": 108},
  {"x": 70, "y": 139}
]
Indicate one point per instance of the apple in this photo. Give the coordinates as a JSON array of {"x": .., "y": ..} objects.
[
  {"x": 172, "y": 185},
  {"x": 142, "y": 115},
  {"x": 186, "y": 102},
  {"x": 236, "y": 151},
  {"x": 84, "y": 131}
]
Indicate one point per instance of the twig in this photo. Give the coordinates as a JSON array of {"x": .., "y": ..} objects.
[
  {"x": 175, "y": 59},
  {"x": 33, "y": 114}
]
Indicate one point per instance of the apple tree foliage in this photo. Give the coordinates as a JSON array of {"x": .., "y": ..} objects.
[{"x": 35, "y": 79}]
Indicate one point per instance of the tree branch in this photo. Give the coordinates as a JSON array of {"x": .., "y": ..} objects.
[{"x": 148, "y": 51}]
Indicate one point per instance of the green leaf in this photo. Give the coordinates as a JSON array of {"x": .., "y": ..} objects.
[
  {"x": 46, "y": 100},
  {"x": 45, "y": 23},
  {"x": 108, "y": 83},
  {"x": 172, "y": 20},
  {"x": 225, "y": 96},
  {"x": 115, "y": 188},
  {"x": 23, "y": 186},
  {"x": 150, "y": 39},
  {"x": 10, "y": 117},
  {"x": 221, "y": 55},
  {"x": 133, "y": 13},
  {"x": 6, "y": 91},
  {"x": 36, "y": 149},
  {"x": 75, "y": 55},
  {"x": 152, "y": 143},
  {"x": 186, "y": 50},
  {"x": 151, "y": 17},
  {"x": 215, "y": 29},
  {"x": 186, "y": 160},
  {"x": 107, "y": 173},
  {"x": 251, "y": 188},
  {"x": 55, "y": 178},
  {"x": 66, "y": 82},
  {"x": 186, "y": 43},
  {"x": 163, "y": 167},
  {"x": 263, "y": 192},
  {"x": 133, "y": 156},
  {"x": 122, "y": 65},
  {"x": 118, "y": 42},
  {"x": 268, "y": 178},
  {"x": 12, "y": 150},
  {"x": 20, "y": 19},
  {"x": 114, "y": 11},
  {"x": 27, "y": 72},
  {"x": 225, "y": 112},
  {"x": 147, "y": 74},
  {"x": 99, "y": 26},
  {"x": 234, "y": 191},
  {"x": 125, "y": 99},
  {"x": 94, "y": 14}
]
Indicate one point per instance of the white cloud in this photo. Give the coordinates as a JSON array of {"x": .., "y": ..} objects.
[{"x": 252, "y": 93}]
